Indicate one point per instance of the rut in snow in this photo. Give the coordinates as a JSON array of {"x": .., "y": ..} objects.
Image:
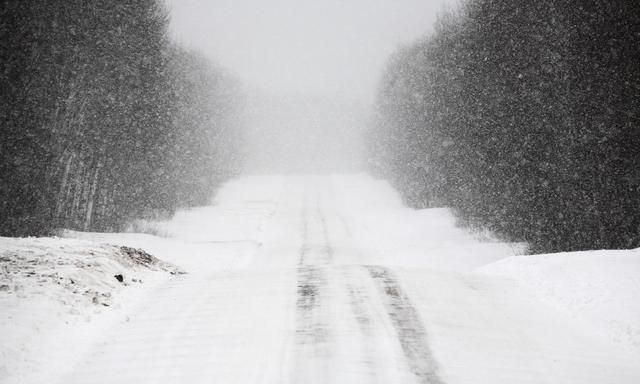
[
  {"x": 316, "y": 248},
  {"x": 360, "y": 306},
  {"x": 312, "y": 328},
  {"x": 408, "y": 325},
  {"x": 313, "y": 336}
]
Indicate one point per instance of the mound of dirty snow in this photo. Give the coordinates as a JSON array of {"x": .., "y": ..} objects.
[{"x": 50, "y": 287}]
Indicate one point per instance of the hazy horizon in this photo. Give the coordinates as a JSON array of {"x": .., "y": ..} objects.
[{"x": 303, "y": 46}]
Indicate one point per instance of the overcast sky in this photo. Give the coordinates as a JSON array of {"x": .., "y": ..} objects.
[{"x": 323, "y": 46}]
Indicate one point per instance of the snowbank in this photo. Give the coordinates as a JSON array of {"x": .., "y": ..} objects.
[
  {"x": 599, "y": 288},
  {"x": 52, "y": 289},
  {"x": 391, "y": 234}
]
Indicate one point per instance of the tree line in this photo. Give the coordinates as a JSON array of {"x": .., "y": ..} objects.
[
  {"x": 104, "y": 118},
  {"x": 523, "y": 116}
]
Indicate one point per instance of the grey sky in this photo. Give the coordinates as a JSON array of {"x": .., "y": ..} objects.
[{"x": 326, "y": 46}]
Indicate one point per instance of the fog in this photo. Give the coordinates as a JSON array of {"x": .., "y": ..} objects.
[{"x": 310, "y": 69}]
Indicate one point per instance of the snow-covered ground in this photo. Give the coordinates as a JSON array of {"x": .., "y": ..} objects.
[
  {"x": 318, "y": 279},
  {"x": 599, "y": 288}
]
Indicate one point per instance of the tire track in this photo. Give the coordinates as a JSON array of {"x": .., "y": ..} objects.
[
  {"x": 361, "y": 312},
  {"x": 325, "y": 248},
  {"x": 304, "y": 219},
  {"x": 316, "y": 247},
  {"x": 312, "y": 329},
  {"x": 317, "y": 279},
  {"x": 408, "y": 325}
]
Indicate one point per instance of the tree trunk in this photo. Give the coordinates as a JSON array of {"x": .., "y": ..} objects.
[
  {"x": 62, "y": 195},
  {"x": 92, "y": 194}
]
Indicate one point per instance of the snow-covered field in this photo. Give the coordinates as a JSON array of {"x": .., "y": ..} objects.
[{"x": 318, "y": 279}]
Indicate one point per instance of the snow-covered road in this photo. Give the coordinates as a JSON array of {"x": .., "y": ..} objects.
[{"x": 331, "y": 280}]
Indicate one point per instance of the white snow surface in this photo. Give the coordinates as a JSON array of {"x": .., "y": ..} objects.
[
  {"x": 599, "y": 288},
  {"x": 324, "y": 279}
]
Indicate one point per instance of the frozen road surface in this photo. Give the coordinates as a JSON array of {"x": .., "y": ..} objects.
[{"x": 331, "y": 280}]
